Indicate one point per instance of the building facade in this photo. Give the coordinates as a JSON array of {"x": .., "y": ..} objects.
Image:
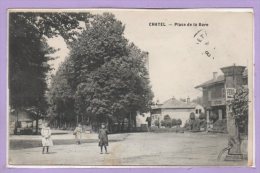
[
  {"x": 215, "y": 93},
  {"x": 176, "y": 109}
]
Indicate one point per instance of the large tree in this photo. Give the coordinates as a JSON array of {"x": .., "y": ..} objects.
[
  {"x": 61, "y": 96},
  {"x": 108, "y": 74},
  {"x": 29, "y": 54}
]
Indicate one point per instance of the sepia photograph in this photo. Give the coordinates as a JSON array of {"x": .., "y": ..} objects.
[{"x": 130, "y": 87}]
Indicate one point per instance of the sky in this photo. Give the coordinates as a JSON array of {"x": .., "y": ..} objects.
[{"x": 178, "y": 60}]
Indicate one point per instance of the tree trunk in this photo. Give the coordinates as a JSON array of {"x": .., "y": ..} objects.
[
  {"x": 82, "y": 119},
  {"x": 122, "y": 126},
  {"x": 135, "y": 121},
  {"x": 17, "y": 111},
  {"x": 109, "y": 125},
  {"x": 129, "y": 122},
  {"x": 37, "y": 124},
  {"x": 16, "y": 123},
  {"x": 88, "y": 120},
  {"x": 59, "y": 120},
  {"x": 118, "y": 125},
  {"x": 56, "y": 123}
]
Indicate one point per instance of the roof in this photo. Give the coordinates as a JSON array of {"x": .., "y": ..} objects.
[
  {"x": 177, "y": 104},
  {"x": 219, "y": 79},
  {"x": 156, "y": 106}
]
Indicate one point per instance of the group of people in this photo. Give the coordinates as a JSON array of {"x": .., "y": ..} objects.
[{"x": 47, "y": 140}]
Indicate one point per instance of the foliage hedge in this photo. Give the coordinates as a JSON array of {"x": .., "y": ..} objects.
[{"x": 220, "y": 126}]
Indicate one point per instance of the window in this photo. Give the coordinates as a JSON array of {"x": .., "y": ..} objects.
[
  {"x": 200, "y": 111},
  {"x": 196, "y": 111}
]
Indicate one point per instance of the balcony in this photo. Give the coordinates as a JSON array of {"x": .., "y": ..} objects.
[{"x": 217, "y": 102}]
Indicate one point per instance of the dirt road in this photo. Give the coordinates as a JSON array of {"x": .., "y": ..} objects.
[{"x": 136, "y": 149}]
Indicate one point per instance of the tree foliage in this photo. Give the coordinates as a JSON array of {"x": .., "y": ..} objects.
[
  {"x": 29, "y": 54},
  {"x": 167, "y": 121},
  {"x": 27, "y": 63},
  {"x": 106, "y": 73},
  {"x": 178, "y": 122},
  {"x": 240, "y": 108},
  {"x": 174, "y": 122},
  {"x": 202, "y": 116},
  {"x": 192, "y": 116},
  {"x": 61, "y": 95}
]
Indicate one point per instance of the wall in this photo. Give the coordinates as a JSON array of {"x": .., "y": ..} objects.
[
  {"x": 155, "y": 117},
  {"x": 141, "y": 119}
]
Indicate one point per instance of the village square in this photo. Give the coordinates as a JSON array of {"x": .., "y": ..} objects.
[{"x": 84, "y": 91}]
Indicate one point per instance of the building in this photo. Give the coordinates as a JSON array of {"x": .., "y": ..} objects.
[
  {"x": 215, "y": 93},
  {"x": 141, "y": 119},
  {"x": 23, "y": 123},
  {"x": 176, "y": 109}
]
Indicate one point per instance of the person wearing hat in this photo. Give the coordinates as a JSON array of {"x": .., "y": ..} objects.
[
  {"x": 77, "y": 132},
  {"x": 46, "y": 138},
  {"x": 103, "y": 138}
]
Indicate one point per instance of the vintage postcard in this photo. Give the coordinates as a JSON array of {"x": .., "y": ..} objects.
[{"x": 125, "y": 87}]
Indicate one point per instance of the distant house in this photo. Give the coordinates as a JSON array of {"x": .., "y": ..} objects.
[{"x": 176, "y": 109}]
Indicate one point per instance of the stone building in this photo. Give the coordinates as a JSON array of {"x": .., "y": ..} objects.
[
  {"x": 216, "y": 92},
  {"x": 176, "y": 109}
]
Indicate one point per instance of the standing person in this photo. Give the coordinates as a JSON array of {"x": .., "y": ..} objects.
[
  {"x": 148, "y": 120},
  {"x": 103, "y": 138},
  {"x": 77, "y": 132},
  {"x": 46, "y": 138}
]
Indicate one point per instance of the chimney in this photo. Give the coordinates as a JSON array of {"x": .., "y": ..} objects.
[
  {"x": 188, "y": 100},
  {"x": 215, "y": 74}
]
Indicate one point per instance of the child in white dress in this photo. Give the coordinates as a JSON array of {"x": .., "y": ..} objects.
[
  {"x": 46, "y": 138},
  {"x": 77, "y": 132}
]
